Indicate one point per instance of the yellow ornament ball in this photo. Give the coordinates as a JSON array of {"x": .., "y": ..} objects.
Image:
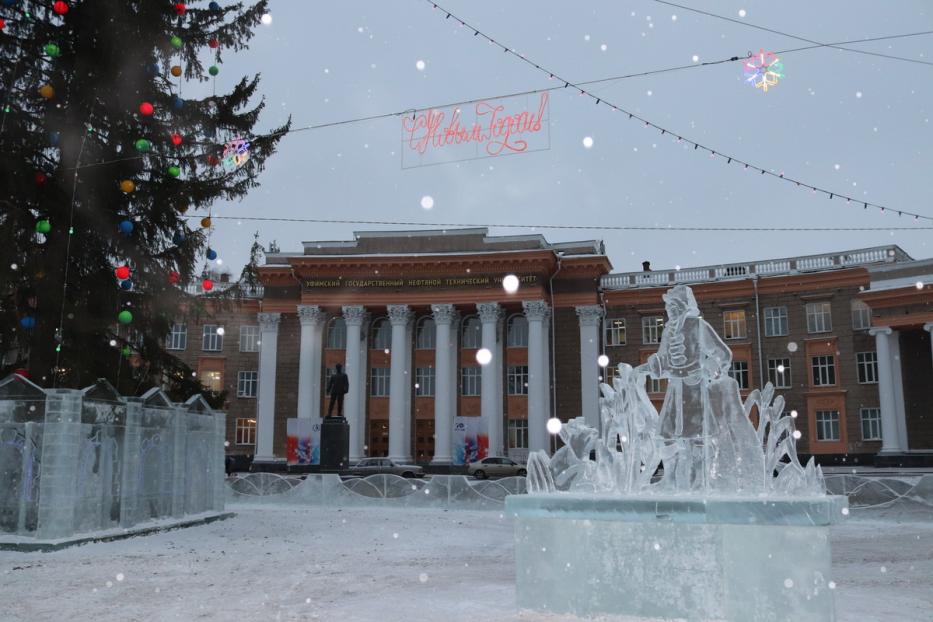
[
  {"x": 47, "y": 91},
  {"x": 176, "y": 71},
  {"x": 127, "y": 186},
  {"x": 206, "y": 222}
]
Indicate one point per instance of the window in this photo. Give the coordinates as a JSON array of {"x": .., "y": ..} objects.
[
  {"x": 249, "y": 339},
  {"x": 245, "y": 431},
  {"x": 212, "y": 380},
  {"x": 379, "y": 382},
  {"x": 212, "y": 339},
  {"x": 247, "y": 382},
  {"x": 657, "y": 385},
  {"x": 518, "y": 379},
  {"x": 779, "y": 373},
  {"x": 518, "y": 433},
  {"x": 517, "y": 336},
  {"x": 425, "y": 335},
  {"x": 424, "y": 381},
  {"x": 738, "y": 371},
  {"x": 824, "y": 370},
  {"x": 827, "y": 425},
  {"x": 470, "y": 380},
  {"x": 819, "y": 318},
  {"x": 867, "y": 363},
  {"x": 871, "y": 423},
  {"x": 733, "y": 324},
  {"x": 861, "y": 315},
  {"x": 651, "y": 329},
  {"x": 177, "y": 337},
  {"x": 382, "y": 335},
  {"x": 775, "y": 321},
  {"x": 472, "y": 333},
  {"x": 615, "y": 332},
  {"x": 337, "y": 334}
]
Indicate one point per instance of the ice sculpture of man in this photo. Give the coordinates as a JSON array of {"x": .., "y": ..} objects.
[{"x": 702, "y": 415}]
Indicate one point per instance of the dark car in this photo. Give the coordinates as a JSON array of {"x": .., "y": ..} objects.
[{"x": 237, "y": 462}]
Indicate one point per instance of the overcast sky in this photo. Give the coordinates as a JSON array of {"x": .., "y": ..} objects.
[{"x": 856, "y": 124}]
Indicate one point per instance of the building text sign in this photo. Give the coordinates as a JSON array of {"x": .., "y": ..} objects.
[
  {"x": 485, "y": 129},
  {"x": 454, "y": 281}
]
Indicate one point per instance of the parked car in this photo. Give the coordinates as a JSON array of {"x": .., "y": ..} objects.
[
  {"x": 373, "y": 466},
  {"x": 501, "y": 467},
  {"x": 234, "y": 463}
]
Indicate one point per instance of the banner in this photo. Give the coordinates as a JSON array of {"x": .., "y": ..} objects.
[
  {"x": 471, "y": 440},
  {"x": 303, "y": 444}
]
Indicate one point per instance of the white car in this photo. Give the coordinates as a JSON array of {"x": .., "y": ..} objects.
[
  {"x": 499, "y": 467},
  {"x": 373, "y": 466}
]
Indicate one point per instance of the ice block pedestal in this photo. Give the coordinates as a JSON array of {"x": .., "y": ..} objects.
[{"x": 720, "y": 558}]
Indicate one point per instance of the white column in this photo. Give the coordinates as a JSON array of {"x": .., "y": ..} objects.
[
  {"x": 535, "y": 312},
  {"x": 489, "y": 313},
  {"x": 929, "y": 328},
  {"x": 265, "y": 400},
  {"x": 399, "y": 416},
  {"x": 454, "y": 366},
  {"x": 900, "y": 409},
  {"x": 443, "y": 415},
  {"x": 354, "y": 316},
  {"x": 890, "y": 441},
  {"x": 361, "y": 394},
  {"x": 309, "y": 361},
  {"x": 589, "y": 317},
  {"x": 546, "y": 349}
]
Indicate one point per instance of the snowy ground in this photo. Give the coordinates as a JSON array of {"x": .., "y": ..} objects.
[{"x": 287, "y": 563}]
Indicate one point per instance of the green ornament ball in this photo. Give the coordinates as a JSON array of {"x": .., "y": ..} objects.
[
  {"x": 53, "y": 50},
  {"x": 174, "y": 171},
  {"x": 126, "y": 351},
  {"x": 125, "y": 317},
  {"x": 214, "y": 70},
  {"x": 43, "y": 226},
  {"x": 176, "y": 42},
  {"x": 143, "y": 145}
]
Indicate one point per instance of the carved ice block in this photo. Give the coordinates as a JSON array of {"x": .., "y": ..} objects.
[{"x": 720, "y": 558}]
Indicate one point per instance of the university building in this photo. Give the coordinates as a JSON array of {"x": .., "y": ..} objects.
[{"x": 845, "y": 337}]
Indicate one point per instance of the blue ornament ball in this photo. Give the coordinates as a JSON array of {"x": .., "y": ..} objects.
[
  {"x": 211, "y": 254},
  {"x": 55, "y": 138},
  {"x": 153, "y": 69},
  {"x": 127, "y": 284},
  {"x": 178, "y": 238},
  {"x": 213, "y": 6},
  {"x": 28, "y": 322},
  {"x": 126, "y": 227},
  {"x": 179, "y": 103}
]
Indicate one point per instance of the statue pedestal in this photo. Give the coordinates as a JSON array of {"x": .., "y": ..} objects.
[{"x": 720, "y": 558}]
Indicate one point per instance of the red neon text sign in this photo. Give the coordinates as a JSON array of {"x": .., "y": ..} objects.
[{"x": 492, "y": 128}]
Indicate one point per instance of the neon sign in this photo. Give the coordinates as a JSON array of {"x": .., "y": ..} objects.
[
  {"x": 764, "y": 70},
  {"x": 236, "y": 152},
  {"x": 485, "y": 129}
]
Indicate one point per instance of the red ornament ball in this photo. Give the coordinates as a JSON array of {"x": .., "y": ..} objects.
[
  {"x": 213, "y": 44},
  {"x": 176, "y": 139},
  {"x": 212, "y": 160},
  {"x": 180, "y": 8},
  {"x": 41, "y": 179},
  {"x": 60, "y": 7},
  {"x": 122, "y": 273},
  {"x": 2, "y": 24},
  {"x": 207, "y": 284},
  {"x": 173, "y": 277},
  {"x": 146, "y": 109}
]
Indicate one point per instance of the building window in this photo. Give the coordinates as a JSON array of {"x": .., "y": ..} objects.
[
  {"x": 381, "y": 335},
  {"x": 518, "y": 433},
  {"x": 247, "y": 383},
  {"x": 656, "y": 385},
  {"x": 827, "y": 425},
  {"x": 861, "y": 315},
  {"x": 177, "y": 337},
  {"x": 517, "y": 335},
  {"x": 615, "y": 332},
  {"x": 779, "y": 373},
  {"x": 733, "y": 324},
  {"x": 425, "y": 335},
  {"x": 472, "y": 333},
  {"x": 245, "y": 431},
  {"x": 212, "y": 339},
  {"x": 518, "y": 379},
  {"x": 819, "y": 318},
  {"x": 775, "y": 321},
  {"x": 249, "y": 338},
  {"x": 651, "y": 329},
  {"x": 212, "y": 380},
  {"x": 336, "y": 334},
  {"x": 824, "y": 370},
  {"x": 470, "y": 381},
  {"x": 867, "y": 363},
  {"x": 424, "y": 381},
  {"x": 871, "y": 423},
  {"x": 738, "y": 371},
  {"x": 379, "y": 382}
]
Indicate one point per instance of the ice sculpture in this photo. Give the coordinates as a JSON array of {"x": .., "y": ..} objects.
[{"x": 704, "y": 439}]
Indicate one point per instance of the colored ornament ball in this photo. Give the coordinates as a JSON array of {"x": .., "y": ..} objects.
[
  {"x": 126, "y": 349},
  {"x": 176, "y": 139},
  {"x": 206, "y": 222},
  {"x": 213, "y": 6},
  {"x": 60, "y": 7},
  {"x": 127, "y": 186},
  {"x": 53, "y": 50},
  {"x": 176, "y": 42},
  {"x": 146, "y": 109},
  {"x": 214, "y": 70},
  {"x": 207, "y": 284},
  {"x": 176, "y": 71},
  {"x": 123, "y": 273},
  {"x": 213, "y": 160},
  {"x": 41, "y": 178},
  {"x": 142, "y": 145},
  {"x": 127, "y": 285},
  {"x": 47, "y": 91},
  {"x": 179, "y": 103},
  {"x": 43, "y": 226},
  {"x": 28, "y": 322},
  {"x": 2, "y": 24},
  {"x": 174, "y": 171},
  {"x": 125, "y": 317},
  {"x": 213, "y": 44},
  {"x": 211, "y": 254},
  {"x": 178, "y": 238},
  {"x": 126, "y": 227},
  {"x": 55, "y": 138},
  {"x": 173, "y": 277},
  {"x": 180, "y": 8}
]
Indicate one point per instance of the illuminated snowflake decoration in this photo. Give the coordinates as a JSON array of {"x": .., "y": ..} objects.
[
  {"x": 236, "y": 153},
  {"x": 763, "y": 70}
]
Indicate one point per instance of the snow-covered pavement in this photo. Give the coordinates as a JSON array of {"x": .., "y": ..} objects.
[{"x": 309, "y": 563}]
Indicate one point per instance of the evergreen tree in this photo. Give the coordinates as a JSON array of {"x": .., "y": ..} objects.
[{"x": 102, "y": 162}]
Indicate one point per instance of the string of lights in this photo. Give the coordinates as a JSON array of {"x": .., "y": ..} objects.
[{"x": 730, "y": 159}]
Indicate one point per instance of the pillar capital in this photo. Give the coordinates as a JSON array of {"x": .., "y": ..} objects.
[
  {"x": 489, "y": 312},
  {"x": 928, "y": 327},
  {"x": 535, "y": 310},
  {"x": 311, "y": 315},
  {"x": 354, "y": 315},
  {"x": 399, "y": 315},
  {"x": 589, "y": 315},
  {"x": 443, "y": 314},
  {"x": 268, "y": 321},
  {"x": 880, "y": 330}
]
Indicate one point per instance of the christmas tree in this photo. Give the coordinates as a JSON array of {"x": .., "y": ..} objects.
[{"x": 105, "y": 165}]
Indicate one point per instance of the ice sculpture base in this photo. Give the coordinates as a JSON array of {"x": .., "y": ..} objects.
[{"x": 720, "y": 558}]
